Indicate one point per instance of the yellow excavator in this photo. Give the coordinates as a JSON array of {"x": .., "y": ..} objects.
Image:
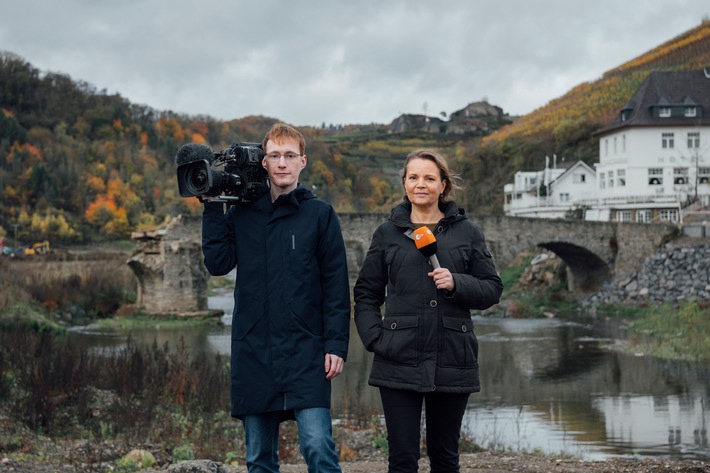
[{"x": 40, "y": 248}]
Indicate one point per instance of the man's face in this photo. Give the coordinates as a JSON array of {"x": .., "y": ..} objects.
[{"x": 283, "y": 162}]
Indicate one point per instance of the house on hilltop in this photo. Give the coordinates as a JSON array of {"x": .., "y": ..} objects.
[
  {"x": 475, "y": 118},
  {"x": 654, "y": 159}
]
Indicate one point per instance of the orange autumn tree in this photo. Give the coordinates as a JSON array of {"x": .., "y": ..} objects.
[{"x": 110, "y": 210}]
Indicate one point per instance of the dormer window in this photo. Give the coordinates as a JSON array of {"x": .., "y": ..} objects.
[
  {"x": 691, "y": 111},
  {"x": 664, "y": 112}
]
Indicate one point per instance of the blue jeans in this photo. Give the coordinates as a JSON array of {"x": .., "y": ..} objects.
[{"x": 315, "y": 436}]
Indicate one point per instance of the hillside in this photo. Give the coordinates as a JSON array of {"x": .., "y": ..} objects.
[
  {"x": 79, "y": 165},
  {"x": 597, "y": 102}
]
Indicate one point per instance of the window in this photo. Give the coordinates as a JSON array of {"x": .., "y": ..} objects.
[
  {"x": 621, "y": 177},
  {"x": 690, "y": 111},
  {"x": 530, "y": 181},
  {"x": 703, "y": 175},
  {"x": 606, "y": 147},
  {"x": 564, "y": 197},
  {"x": 664, "y": 112},
  {"x": 655, "y": 176},
  {"x": 615, "y": 145},
  {"x": 623, "y": 143},
  {"x": 579, "y": 178},
  {"x": 623, "y": 215},
  {"x": 602, "y": 182},
  {"x": 667, "y": 140},
  {"x": 643, "y": 216},
  {"x": 610, "y": 179},
  {"x": 669, "y": 216},
  {"x": 680, "y": 176},
  {"x": 694, "y": 140}
]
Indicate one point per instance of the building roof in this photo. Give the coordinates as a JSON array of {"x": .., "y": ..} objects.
[
  {"x": 676, "y": 91},
  {"x": 572, "y": 168}
]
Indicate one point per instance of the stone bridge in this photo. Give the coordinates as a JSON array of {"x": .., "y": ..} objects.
[{"x": 172, "y": 277}]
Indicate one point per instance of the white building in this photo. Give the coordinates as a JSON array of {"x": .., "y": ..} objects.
[
  {"x": 550, "y": 193},
  {"x": 654, "y": 159}
]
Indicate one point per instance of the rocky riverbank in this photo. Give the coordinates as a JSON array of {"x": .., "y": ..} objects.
[{"x": 679, "y": 272}]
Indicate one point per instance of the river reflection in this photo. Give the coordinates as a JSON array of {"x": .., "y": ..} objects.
[{"x": 547, "y": 385}]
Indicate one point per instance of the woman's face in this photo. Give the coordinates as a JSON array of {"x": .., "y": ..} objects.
[{"x": 423, "y": 183}]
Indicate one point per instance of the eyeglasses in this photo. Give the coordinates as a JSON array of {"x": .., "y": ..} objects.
[{"x": 289, "y": 157}]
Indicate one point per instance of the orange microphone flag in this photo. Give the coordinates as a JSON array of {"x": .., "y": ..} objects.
[{"x": 426, "y": 243}]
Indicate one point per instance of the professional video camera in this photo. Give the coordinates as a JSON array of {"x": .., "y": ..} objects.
[{"x": 234, "y": 175}]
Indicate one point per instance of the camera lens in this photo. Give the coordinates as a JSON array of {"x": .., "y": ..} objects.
[{"x": 197, "y": 180}]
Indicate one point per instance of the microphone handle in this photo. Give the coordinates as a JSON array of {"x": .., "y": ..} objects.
[{"x": 434, "y": 261}]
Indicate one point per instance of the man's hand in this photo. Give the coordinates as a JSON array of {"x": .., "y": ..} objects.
[{"x": 333, "y": 366}]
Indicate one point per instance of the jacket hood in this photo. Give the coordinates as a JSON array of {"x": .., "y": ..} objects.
[
  {"x": 299, "y": 194},
  {"x": 400, "y": 214}
]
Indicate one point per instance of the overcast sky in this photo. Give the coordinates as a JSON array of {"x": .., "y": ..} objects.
[{"x": 310, "y": 62}]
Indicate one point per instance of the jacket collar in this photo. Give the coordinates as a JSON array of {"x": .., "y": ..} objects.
[
  {"x": 400, "y": 214},
  {"x": 293, "y": 198},
  {"x": 285, "y": 204}
]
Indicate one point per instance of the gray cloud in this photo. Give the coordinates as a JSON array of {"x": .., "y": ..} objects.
[{"x": 318, "y": 61}]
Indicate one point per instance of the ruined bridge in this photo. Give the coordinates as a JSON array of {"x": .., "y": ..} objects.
[{"x": 172, "y": 277}]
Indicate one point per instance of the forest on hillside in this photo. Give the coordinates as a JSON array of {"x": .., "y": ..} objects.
[{"x": 80, "y": 165}]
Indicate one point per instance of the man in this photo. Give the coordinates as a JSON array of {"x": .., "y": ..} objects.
[{"x": 291, "y": 321}]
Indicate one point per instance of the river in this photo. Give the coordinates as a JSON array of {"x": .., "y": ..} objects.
[{"x": 548, "y": 385}]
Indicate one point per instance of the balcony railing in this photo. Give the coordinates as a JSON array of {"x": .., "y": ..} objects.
[
  {"x": 546, "y": 201},
  {"x": 630, "y": 199}
]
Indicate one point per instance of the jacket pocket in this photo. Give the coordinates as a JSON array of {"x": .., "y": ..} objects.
[
  {"x": 249, "y": 312},
  {"x": 307, "y": 317},
  {"x": 461, "y": 257},
  {"x": 458, "y": 346},
  {"x": 398, "y": 341}
]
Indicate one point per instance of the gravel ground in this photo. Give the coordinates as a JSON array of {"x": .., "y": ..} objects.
[
  {"x": 39, "y": 454},
  {"x": 470, "y": 463}
]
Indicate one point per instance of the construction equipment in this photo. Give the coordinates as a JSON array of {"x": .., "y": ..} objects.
[{"x": 40, "y": 248}]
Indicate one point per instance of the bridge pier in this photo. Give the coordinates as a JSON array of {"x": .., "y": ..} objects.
[{"x": 172, "y": 279}]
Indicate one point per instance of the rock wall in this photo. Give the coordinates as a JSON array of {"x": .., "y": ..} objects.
[{"x": 675, "y": 273}]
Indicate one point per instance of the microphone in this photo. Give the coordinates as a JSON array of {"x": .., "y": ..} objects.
[
  {"x": 193, "y": 152},
  {"x": 426, "y": 243}
]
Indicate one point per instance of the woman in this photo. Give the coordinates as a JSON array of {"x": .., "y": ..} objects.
[{"x": 425, "y": 349}]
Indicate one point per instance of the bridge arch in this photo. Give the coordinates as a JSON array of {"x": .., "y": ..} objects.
[{"x": 586, "y": 271}]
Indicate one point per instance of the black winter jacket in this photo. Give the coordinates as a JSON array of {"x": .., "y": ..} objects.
[
  {"x": 292, "y": 297},
  {"x": 425, "y": 342}
]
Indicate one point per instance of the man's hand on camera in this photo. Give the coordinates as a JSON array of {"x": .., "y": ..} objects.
[
  {"x": 333, "y": 366},
  {"x": 208, "y": 198}
]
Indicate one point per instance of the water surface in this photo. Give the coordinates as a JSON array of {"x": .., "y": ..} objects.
[{"x": 548, "y": 385}]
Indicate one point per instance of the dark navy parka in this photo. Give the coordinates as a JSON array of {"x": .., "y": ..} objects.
[
  {"x": 425, "y": 342},
  {"x": 292, "y": 299}
]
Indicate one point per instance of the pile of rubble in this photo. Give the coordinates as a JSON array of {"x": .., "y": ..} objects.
[{"x": 677, "y": 273}]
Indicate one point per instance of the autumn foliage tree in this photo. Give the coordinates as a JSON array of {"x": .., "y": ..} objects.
[{"x": 78, "y": 164}]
